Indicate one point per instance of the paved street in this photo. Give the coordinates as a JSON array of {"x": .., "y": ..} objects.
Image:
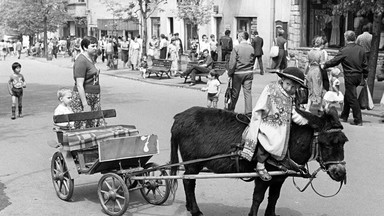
[{"x": 25, "y": 182}]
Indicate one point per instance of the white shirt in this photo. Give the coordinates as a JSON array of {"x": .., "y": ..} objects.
[
  {"x": 204, "y": 46},
  {"x": 61, "y": 109},
  {"x": 213, "y": 86}
]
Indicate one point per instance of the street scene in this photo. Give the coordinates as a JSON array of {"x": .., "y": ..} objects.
[{"x": 145, "y": 64}]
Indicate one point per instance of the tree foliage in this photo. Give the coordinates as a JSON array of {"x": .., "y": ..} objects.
[
  {"x": 28, "y": 16},
  {"x": 195, "y": 12},
  {"x": 362, "y": 6}
]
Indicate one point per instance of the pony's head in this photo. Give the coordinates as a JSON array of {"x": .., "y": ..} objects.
[{"x": 330, "y": 140}]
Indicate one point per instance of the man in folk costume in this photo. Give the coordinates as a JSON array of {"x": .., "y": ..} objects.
[{"x": 268, "y": 132}]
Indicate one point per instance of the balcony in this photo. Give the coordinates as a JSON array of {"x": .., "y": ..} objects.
[{"x": 77, "y": 9}]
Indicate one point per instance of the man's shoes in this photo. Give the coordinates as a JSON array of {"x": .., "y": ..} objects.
[
  {"x": 357, "y": 123},
  {"x": 343, "y": 119},
  {"x": 261, "y": 72},
  {"x": 192, "y": 84}
]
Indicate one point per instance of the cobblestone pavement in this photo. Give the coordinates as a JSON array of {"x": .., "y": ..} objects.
[{"x": 259, "y": 81}]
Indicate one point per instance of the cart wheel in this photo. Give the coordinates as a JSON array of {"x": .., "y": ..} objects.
[
  {"x": 155, "y": 192},
  {"x": 61, "y": 178},
  {"x": 113, "y": 194}
]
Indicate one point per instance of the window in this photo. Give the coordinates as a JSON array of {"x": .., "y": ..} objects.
[
  {"x": 155, "y": 26},
  {"x": 81, "y": 0},
  {"x": 246, "y": 24}
]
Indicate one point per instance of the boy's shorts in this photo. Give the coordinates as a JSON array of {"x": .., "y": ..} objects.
[
  {"x": 17, "y": 92},
  {"x": 213, "y": 97}
]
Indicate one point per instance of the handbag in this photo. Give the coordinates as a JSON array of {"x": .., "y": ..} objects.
[
  {"x": 365, "y": 98},
  {"x": 228, "y": 95},
  {"x": 274, "y": 52},
  {"x": 324, "y": 77}
]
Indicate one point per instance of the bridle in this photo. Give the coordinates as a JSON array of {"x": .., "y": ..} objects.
[{"x": 316, "y": 155}]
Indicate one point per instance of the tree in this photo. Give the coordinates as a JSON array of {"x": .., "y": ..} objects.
[
  {"x": 195, "y": 12},
  {"x": 376, "y": 7},
  {"x": 30, "y": 17},
  {"x": 137, "y": 9}
]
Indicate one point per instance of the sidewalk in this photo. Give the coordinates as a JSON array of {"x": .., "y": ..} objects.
[{"x": 259, "y": 82}]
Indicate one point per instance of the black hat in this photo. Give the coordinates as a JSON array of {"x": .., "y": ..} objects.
[{"x": 293, "y": 73}]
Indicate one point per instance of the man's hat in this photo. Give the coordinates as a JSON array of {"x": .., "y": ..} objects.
[{"x": 293, "y": 73}]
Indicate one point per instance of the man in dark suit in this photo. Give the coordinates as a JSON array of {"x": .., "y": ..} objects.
[
  {"x": 257, "y": 44},
  {"x": 352, "y": 58}
]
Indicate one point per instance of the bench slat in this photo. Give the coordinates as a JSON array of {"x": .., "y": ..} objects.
[{"x": 82, "y": 116}]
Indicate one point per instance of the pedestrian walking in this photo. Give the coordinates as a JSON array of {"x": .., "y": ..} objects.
[
  {"x": 3, "y": 49},
  {"x": 163, "y": 47},
  {"x": 124, "y": 45},
  {"x": 204, "y": 45},
  {"x": 213, "y": 45},
  {"x": 19, "y": 47},
  {"x": 365, "y": 40},
  {"x": 279, "y": 63},
  {"x": 180, "y": 50},
  {"x": 314, "y": 80},
  {"x": 16, "y": 84},
  {"x": 86, "y": 92},
  {"x": 213, "y": 89},
  {"x": 257, "y": 43},
  {"x": 143, "y": 66},
  {"x": 134, "y": 53},
  {"x": 109, "y": 51},
  {"x": 226, "y": 45},
  {"x": 240, "y": 71},
  {"x": 173, "y": 55},
  {"x": 352, "y": 58},
  {"x": 195, "y": 49}
]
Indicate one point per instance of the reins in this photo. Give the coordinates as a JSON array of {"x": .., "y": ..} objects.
[{"x": 316, "y": 155}]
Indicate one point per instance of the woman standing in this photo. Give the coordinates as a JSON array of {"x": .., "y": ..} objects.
[
  {"x": 173, "y": 55},
  {"x": 163, "y": 47},
  {"x": 153, "y": 44},
  {"x": 124, "y": 51},
  {"x": 279, "y": 63},
  {"x": 86, "y": 92},
  {"x": 314, "y": 80},
  {"x": 134, "y": 51}
]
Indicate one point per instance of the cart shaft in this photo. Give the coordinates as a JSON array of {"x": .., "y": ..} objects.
[{"x": 210, "y": 176}]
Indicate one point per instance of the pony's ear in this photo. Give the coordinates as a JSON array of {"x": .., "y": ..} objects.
[{"x": 313, "y": 120}]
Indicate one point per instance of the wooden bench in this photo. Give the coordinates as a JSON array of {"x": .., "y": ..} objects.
[
  {"x": 218, "y": 66},
  {"x": 160, "y": 67}
]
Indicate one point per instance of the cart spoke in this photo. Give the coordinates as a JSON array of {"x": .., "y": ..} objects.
[
  {"x": 160, "y": 192},
  {"x": 61, "y": 185},
  {"x": 109, "y": 186},
  {"x": 146, "y": 194},
  {"x": 118, "y": 188},
  {"x": 104, "y": 192},
  {"x": 120, "y": 197},
  {"x": 106, "y": 201},
  {"x": 66, "y": 186},
  {"x": 118, "y": 204}
]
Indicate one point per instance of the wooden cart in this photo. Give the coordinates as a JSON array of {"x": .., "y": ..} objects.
[{"x": 117, "y": 151}]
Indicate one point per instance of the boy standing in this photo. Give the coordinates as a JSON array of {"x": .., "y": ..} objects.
[{"x": 16, "y": 84}]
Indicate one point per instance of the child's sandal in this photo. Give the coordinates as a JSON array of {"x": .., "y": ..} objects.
[{"x": 263, "y": 174}]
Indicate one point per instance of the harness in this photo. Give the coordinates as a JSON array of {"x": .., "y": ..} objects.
[{"x": 316, "y": 155}]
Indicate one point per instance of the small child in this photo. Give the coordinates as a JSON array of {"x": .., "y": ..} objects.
[
  {"x": 213, "y": 89},
  {"x": 268, "y": 131},
  {"x": 143, "y": 66},
  {"x": 65, "y": 97},
  {"x": 292, "y": 60},
  {"x": 334, "y": 95},
  {"x": 16, "y": 84}
]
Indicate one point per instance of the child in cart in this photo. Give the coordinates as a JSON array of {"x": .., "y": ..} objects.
[
  {"x": 16, "y": 84},
  {"x": 268, "y": 130},
  {"x": 65, "y": 97},
  {"x": 213, "y": 89}
]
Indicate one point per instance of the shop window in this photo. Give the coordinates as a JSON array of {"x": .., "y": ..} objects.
[{"x": 155, "y": 26}]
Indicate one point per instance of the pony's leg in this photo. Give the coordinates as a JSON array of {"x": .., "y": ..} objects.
[
  {"x": 258, "y": 195},
  {"x": 274, "y": 194},
  {"x": 189, "y": 188}
]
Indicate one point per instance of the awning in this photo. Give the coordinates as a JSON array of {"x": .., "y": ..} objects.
[{"x": 117, "y": 24}]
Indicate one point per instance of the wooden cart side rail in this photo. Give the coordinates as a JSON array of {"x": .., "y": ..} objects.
[{"x": 82, "y": 116}]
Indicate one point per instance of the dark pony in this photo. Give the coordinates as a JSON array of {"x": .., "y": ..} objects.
[{"x": 203, "y": 132}]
